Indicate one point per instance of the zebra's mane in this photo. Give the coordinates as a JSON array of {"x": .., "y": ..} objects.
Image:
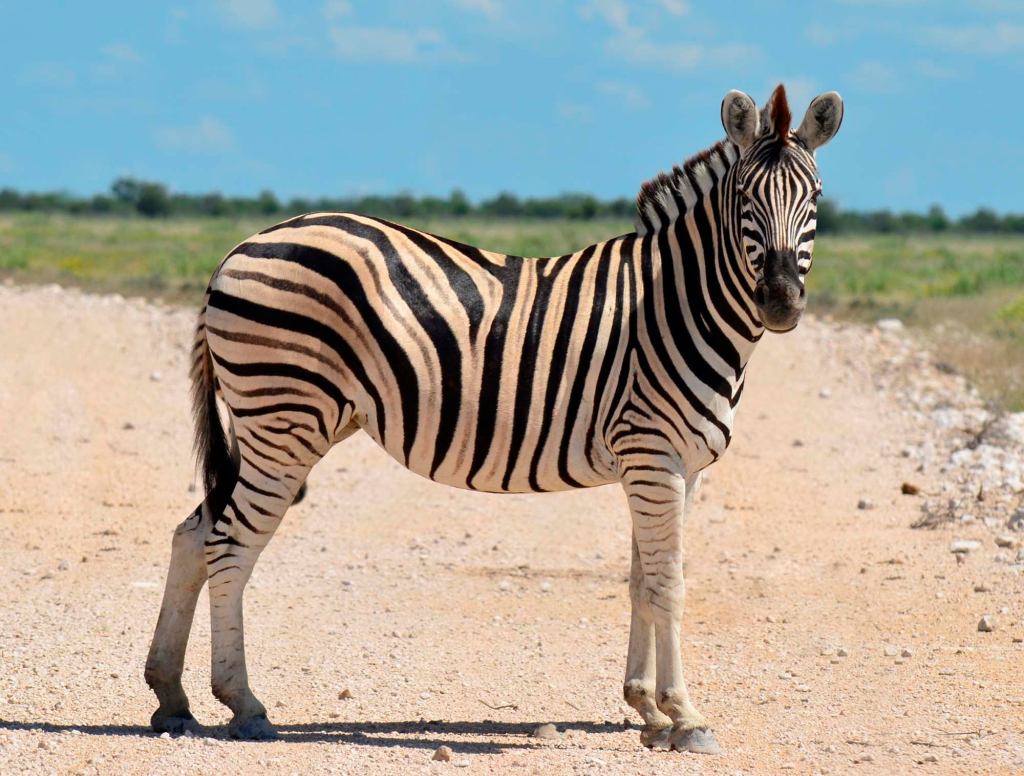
[{"x": 674, "y": 193}]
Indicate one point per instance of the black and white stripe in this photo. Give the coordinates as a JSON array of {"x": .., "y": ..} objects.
[{"x": 621, "y": 362}]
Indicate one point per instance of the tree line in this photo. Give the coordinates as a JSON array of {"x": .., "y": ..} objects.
[{"x": 149, "y": 199}]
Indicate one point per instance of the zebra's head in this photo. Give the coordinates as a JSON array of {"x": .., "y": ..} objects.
[{"x": 776, "y": 189}]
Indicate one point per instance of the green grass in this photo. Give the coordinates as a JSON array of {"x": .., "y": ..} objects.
[{"x": 977, "y": 283}]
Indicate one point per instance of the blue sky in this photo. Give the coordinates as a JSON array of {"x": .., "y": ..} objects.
[{"x": 347, "y": 96}]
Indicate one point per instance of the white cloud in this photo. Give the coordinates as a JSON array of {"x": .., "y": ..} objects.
[
  {"x": 994, "y": 39},
  {"x": 51, "y": 75},
  {"x": 489, "y": 8},
  {"x": 121, "y": 52},
  {"x": 631, "y": 42},
  {"x": 675, "y": 7},
  {"x": 207, "y": 136},
  {"x": 614, "y": 12},
  {"x": 391, "y": 44},
  {"x": 628, "y": 95},
  {"x": 932, "y": 69},
  {"x": 875, "y": 77},
  {"x": 335, "y": 9},
  {"x": 574, "y": 111},
  {"x": 822, "y": 34},
  {"x": 251, "y": 14}
]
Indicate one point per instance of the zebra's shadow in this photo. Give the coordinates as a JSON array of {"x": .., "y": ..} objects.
[{"x": 427, "y": 735}]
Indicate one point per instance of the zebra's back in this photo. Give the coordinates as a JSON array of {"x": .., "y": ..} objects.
[{"x": 472, "y": 368}]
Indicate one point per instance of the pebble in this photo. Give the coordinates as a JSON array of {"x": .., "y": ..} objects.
[
  {"x": 825, "y": 393},
  {"x": 155, "y": 377},
  {"x": 865, "y": 504},
  {"x": 1005, "y": 541},
  {"x": 964, "y": 546},
  {"x": 889, "y": 324},
  {"x": 165, "y": 734},
  {"x": 909, "y": 489},
  {"x": 442, "y": 754},
  {"x": 504, "y": 586},
  {"x": 64, "y": 565},
  {"x": 982, "y": 588},
  {"x": 987, "y": 624},
  {"x": 891, "y": 651},
  {"x": 345, "y": 694},
  {"x": 545, "y": 586},
  {"x": 547, "y": 731},
  {"x": 907, "y": 652},
  {"x": 841, "y": 652}
]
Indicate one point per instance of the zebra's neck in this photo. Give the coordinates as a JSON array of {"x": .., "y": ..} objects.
[{"x": 690, "y": 219}]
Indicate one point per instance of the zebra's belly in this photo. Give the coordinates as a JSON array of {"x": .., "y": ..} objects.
[{"x": 531, "y": 470}]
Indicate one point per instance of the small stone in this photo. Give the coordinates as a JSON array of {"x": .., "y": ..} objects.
[
  {"x": 841, "y": 652},
  {"x": 345, "y": 695},
  {"x": 279, "y": 705},
  {"x": 963, "y": 546},
  {"x": 909, "y": 489},
  {"x": 929, "y": 758},
  {"x": 889, "y": 324},
  {"x": 890, "y": 651},
  {"x": 982, "y": 588},
  {"x": 987, "y": 624},
  {"x": 865, "y": 758},
  {"x": 825, "y": 393},
  {"x": 907, "y": 652},
  {"x": 865, "y": 504},
  {"x": 210, "y": 741},
  {"x": 44, "y": 744},
  {"x": 442, "y": 754},
  {"x": 155, "y": 377},
  {"x": 128, "y": 426},
  {"x": 64, "y": 565},
  {"x": 547, "y": 730},
  {"x": 504, "y": 586},
  {"x": 826, "y": 652},
  {"x": 165, "y": 734},
  {"x": 115, "y": 675},
  {"x": 1005, "y": 541},
  {"x": 545, "y": 586}
]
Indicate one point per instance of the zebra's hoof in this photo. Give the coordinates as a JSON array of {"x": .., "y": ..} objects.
[
  {"x": 656, "y": 736},
  {"x": 176, "y": 724},
  {"x": 256, "y": 728},
  {"x": 697, "y": 740}
]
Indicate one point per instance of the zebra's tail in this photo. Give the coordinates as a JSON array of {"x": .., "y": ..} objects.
[{"x": 216, "y": 457}]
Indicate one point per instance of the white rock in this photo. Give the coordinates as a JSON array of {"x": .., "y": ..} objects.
[
  {"x": 547, "y": 730},
  {"x": 964, "y": 546},
  {"x": 442, "y": 754},
  {"x": 987, "y": 624},
  {"x": 889, "y": 324}
]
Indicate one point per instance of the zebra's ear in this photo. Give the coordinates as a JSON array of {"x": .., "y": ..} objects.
[
  {"x": 739, "y": 117},
  {"x": 822, "y": 120}
]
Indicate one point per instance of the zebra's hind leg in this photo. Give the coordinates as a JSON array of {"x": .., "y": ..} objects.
[
  {"x": 270, "y": 476},
  {"x": 185, "y": 578},
  {"x": 638, "y": 688}
]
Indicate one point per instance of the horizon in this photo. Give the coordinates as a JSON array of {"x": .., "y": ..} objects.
[{"x": 592, "y": 97}]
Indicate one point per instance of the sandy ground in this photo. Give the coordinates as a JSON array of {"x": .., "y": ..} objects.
[{"x": 819, "y": 637}]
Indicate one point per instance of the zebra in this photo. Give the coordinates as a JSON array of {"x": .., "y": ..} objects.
[{"x": 623, "y": 362}]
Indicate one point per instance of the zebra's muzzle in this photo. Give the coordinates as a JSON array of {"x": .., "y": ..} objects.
[{"x": 779, "y": 295}]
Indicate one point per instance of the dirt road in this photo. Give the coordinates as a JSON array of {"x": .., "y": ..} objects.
[{"x": 819, "y": 637}]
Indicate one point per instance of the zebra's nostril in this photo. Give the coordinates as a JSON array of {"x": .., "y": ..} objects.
[{"x": 759, "y": 296}]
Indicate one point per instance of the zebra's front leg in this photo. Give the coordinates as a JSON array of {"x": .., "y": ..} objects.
[
  {"x": 639, "y": 686},
  {"x": 253, "y": 513},
  {"x": 656, "y": 489},
  {"x": 185, "y": 578}
]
